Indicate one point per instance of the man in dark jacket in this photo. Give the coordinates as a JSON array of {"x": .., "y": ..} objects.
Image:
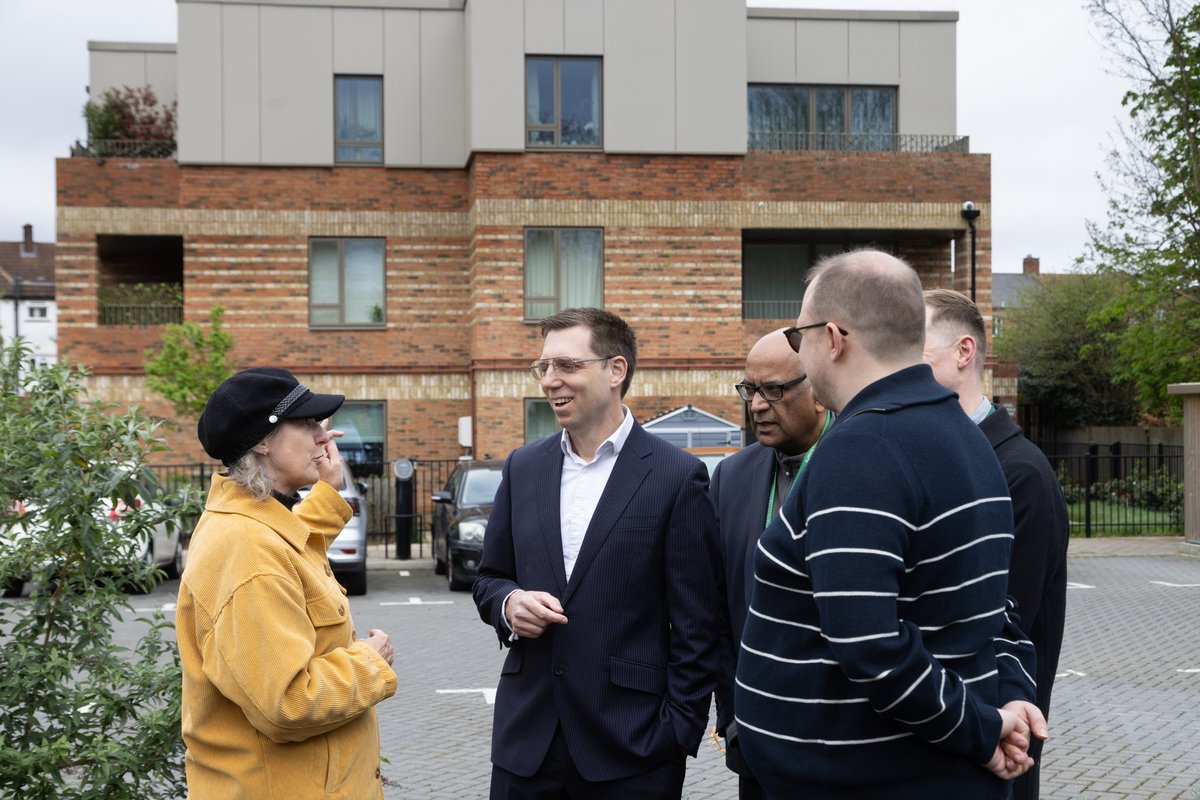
[
  {"x": 955, "y": 346},
  {"x": 747, "y": 490}
]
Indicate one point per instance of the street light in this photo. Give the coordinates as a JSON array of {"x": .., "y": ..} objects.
[{"x": 970, "y": 213}]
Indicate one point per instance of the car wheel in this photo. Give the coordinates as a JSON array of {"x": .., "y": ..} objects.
[
  {"x": 456, "y": 583},
  {"x": 174, "y": 567},
  {"x": 11, "y": 587},
  {"x": 356, "y": 582},
  {"x": 439, "y": 562}
]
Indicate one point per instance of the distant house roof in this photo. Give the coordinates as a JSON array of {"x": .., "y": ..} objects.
[
  {"x": 688, "y": 426},
  {"x": 1007, "y": 288},
  {"x": 27, "y": 270}
]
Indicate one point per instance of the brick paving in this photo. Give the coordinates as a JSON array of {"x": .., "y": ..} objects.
[{"x": 1125, "y": 721}]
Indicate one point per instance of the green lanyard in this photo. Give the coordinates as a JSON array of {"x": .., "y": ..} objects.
[{"x": 803, "y": 464}]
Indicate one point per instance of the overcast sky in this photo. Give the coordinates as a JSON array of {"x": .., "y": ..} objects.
[{"x": 1033, "y": 92}]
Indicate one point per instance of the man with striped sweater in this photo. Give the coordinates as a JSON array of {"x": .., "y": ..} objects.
[{"x": 878, "y": 659}]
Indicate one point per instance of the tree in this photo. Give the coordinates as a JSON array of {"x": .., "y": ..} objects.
[
  {"x": 1067, "y": 352},
  {"x": 83, "y": 718},
  {"x": 131, "y": 122},
  {"x": 191, "y": 364},
  {"x": 1152, "y": 233}
]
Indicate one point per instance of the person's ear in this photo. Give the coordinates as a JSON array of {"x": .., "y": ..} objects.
[
  {"x": 965, "y": 351},
  {"x": 620, "y": 367}
]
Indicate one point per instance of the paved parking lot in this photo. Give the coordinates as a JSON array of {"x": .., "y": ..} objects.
[{"x": 1125, "y": 722}]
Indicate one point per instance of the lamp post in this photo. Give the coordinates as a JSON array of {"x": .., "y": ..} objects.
[{"x": 970, "y": 213}]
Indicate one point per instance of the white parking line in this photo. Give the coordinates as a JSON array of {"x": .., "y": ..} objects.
[
  {"x": 489, "y": 695},
  {"x": 405, "y": 573},
  {"x": 1073, "y": 585},
  {"x": 1188, "y": 671},
  {"x": 1177, "y": 585},
  {"x": 1067, "y": 672},
  {"x": 166, "y": 607},
  {"x": 416, "y": 601}
]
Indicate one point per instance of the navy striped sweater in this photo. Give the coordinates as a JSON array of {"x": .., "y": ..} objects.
[{"x": 879, "y": 643}]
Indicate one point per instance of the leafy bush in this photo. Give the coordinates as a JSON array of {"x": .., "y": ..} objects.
[
  {"x": 191, "y": 364},
  {"x": 83, "y": 717},
  {"x": 1141, "y": 488},
  {"x": 130, "y": 115}
]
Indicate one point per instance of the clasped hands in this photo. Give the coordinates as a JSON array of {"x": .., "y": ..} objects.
[{"x": 1019, "y": 722}]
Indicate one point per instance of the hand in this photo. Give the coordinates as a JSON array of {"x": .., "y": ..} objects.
[
  {"x": 1019, "y": 721},
  {"x": 529, "y": 613},
  {"x": 381, "y": 643},
  {"x": 329, "y": 467}
]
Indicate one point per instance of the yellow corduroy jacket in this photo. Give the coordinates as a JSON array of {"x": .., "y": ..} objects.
[{"x": 278, "y": 697}]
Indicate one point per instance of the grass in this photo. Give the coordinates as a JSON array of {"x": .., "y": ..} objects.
[{"x": 1115, "y": 519}]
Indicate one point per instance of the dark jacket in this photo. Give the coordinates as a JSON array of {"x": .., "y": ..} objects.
[
  {"x": 740, "y": 488},
  {"x": 630, "y": 676},
  {"x": 1037, "y": 577}
]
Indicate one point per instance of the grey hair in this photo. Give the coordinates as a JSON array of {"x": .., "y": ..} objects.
[{"x": 250, "y": 472}]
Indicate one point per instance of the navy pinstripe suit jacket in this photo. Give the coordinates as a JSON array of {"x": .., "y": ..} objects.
[{"x": 629, "y": 677}]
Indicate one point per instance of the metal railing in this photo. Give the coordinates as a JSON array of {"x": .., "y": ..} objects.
[
  {"x": 140, "y": 314},
  {"x": 1120, "y": 489},
  {"x": 429, "y": 476},
  {"x": 124, "y": 148},
  {"x": 770, "y": 309},
  {"x": 859, "y": 142}
]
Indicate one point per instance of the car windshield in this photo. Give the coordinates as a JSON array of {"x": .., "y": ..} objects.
[{"x": 480, "y": 486}]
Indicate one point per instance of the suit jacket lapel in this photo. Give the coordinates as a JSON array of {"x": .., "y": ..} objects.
[
  {"x": 549, "y": 492},
  {"x": 631, "y": 469},
  {"x": 760, "y": 477}
]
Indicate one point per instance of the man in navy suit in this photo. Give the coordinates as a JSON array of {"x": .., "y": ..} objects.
[
  {"x": 599, "y": 572},
  {"x": 747, "y": 491}
]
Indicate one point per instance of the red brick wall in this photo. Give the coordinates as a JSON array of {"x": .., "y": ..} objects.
[{"x": 455, "y": 302}]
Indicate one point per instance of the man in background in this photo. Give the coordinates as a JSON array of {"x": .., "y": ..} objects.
[
  {"x": 955, "y": 347},
  {"x": 747, "y": 490}
]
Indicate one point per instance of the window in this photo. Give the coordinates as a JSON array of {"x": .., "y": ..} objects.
[
  {"x": 822, "y": 117},
  {"x": 358, "y": 115},
  {"x": 345, "y": 282},
  {"x": 36, "y": 312},
  {"x": 562, "y": 102},
  {"x": 540, "y": 421},
  {"x": 775, "y": 266},
  {"x": 365, "y": 427},
  {"x": 564, "y": 268}
]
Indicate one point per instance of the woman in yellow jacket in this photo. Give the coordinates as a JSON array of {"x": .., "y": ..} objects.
[{"x": 278, "y": 696}]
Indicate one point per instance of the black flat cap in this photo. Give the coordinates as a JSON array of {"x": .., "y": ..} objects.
[{"x": 247, "y": 407}]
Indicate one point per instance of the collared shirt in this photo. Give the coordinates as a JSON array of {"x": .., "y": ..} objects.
[
  {"x": 581, "y": 486},
  {"x": 981, "y": 411}
]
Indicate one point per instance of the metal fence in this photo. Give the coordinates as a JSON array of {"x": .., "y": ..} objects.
[
  {"x": 383, "y": 524},
  {"x": 140, "y": 314},
  {"x": 1120, "y": 489},
  {"x": 124, "y": 148},
  {"x": 859, "y": 142}
]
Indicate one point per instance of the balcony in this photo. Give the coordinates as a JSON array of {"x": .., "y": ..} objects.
[
  {"x": 124, "y": 148},
  {"x": 141, "y": 304},
  {"x": 795, "y": 141}
]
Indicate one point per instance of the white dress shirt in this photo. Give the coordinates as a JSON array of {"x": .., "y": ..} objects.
[{"x": 582, "y": 484}]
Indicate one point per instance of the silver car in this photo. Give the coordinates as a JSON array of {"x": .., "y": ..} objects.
[{"x": 348, "y": 552}]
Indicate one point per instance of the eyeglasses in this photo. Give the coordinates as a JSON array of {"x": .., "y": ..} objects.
[
  {"x": 796, "y": 333},
  {"x": 769, "y": 391},
  {"x": 563, "y": 366}
]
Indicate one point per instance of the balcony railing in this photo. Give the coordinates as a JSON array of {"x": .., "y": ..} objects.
[
  {"x": 770, "y": 309},
  {"x": 859, "y": 142},
  {"x": 140, "y": 314},
  {"x": 124, "y": 148}
]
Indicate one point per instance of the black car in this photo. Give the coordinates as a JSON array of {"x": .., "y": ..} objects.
[{"x": 460, "y": 517}]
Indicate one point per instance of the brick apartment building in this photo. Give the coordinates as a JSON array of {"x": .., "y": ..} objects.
[{"x": 386, "y": 195}]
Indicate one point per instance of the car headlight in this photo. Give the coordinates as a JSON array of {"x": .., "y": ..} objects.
[{"x": 471, "y": 531}]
